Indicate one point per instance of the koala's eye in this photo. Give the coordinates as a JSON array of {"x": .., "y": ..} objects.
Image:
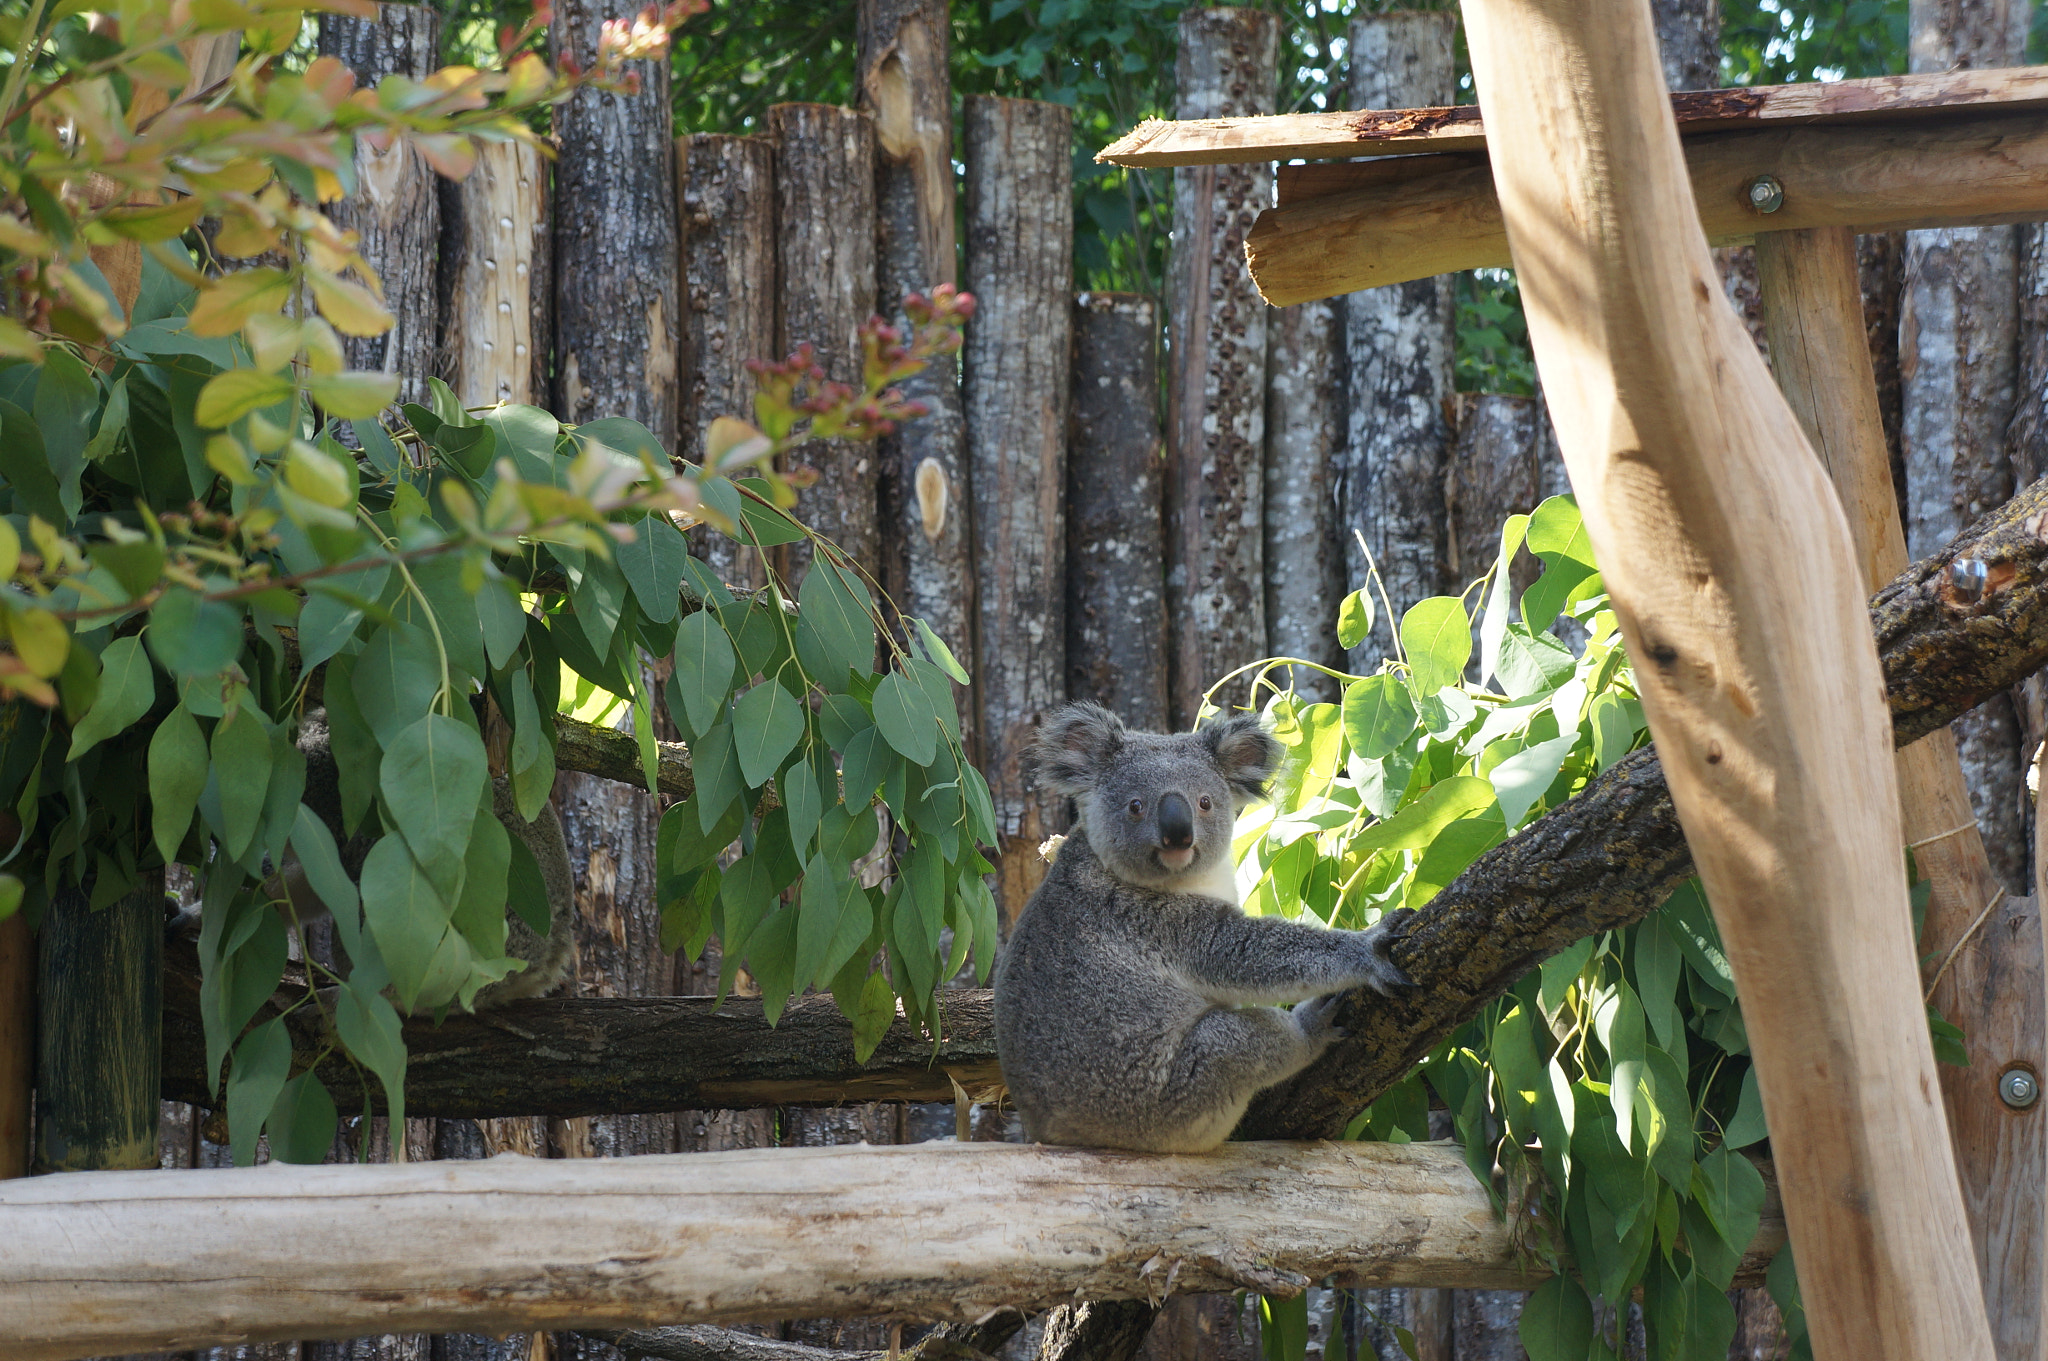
[
  {"x": 1206, "y": 804},
  {"x": 1136, "y": 808}
]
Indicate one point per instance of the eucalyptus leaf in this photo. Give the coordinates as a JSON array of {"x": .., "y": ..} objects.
[
  {"x": 904, "y": 715},
  {"x": 704, "y": 661},
  {"x": 127, "y": 690},
  {"x": 432, "y": 779},
  {"x": 263, "y": 1061},
  {"x": 653, "y": 566}
]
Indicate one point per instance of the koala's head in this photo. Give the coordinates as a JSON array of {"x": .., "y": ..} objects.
[{"x": 1158, "y": 809}]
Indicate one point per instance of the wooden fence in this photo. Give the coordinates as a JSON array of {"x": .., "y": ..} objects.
[{"x": 1088, "y": 512}]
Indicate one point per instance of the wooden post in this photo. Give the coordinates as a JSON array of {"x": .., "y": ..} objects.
[
  {"x": 497, "y": 281},
  {"x": 396, "y": 209},
  {"x": 1116, "y": 570},
  {"x": 618, "y": 316},
  {"x": 1305, "y": 433},
  {"x": 825, "y": 287},
  {"x": 927, "y": 554},
  {"x": 17, "y": 1042},
  {"x": 1402, "y": 341},
  {"x": 1758, "y": 671},
  {"x": 99, "y": 1030},
  {"x": 1015, "y": 371},
  {"x": 1216, "y": 385},
  {"x": 1958, "y": 351},
  {"x": 1994, "y": 986},
  {"x": 726, "y": 213}
]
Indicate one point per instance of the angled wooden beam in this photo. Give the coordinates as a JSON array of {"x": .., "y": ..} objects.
[
  {"x": 1734, "y": 579},
  {"x": 1976, "y": 170},
  {"x": 101, "y": 1263},
  {"x": 1383, "y": 132}
]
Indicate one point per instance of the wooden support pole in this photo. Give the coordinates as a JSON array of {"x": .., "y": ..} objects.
[
  {"x": 1736, "y": 586},
  {"x": 1813, "y": 307},
  {"x": 396, "y": 208},
  {"x": 1402, "y": 350},
  {"x": 17, "y": 1042},
  {"x": 825, "y": 289},
  {"x": 99, "y": 1028},
  {"x": 1017, "y": 372},
  {"x": 935, "y": 1230},
  {"x": 928, "y": 556},
  {"x": 725, "y": 213},
  {"x": 1874, "y": 178},
  {"x": 1216, "y": 388},
  {"x": 1305, "y": 448},
  {"x": 1116, "y": 570},
  {"x": 497, "y": 277}
]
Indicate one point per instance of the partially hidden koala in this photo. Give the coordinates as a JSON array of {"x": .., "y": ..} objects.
[
  {"x": 548, "y": 958},
  {"x": 1135, "y": 1003}
]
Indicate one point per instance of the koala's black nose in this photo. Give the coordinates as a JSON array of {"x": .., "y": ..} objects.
[{"x": 1176, "y": 822}]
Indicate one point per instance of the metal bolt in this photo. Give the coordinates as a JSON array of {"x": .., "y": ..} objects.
[
  {"x": 2018, "y": 1088},
  {"x": 1765, "y": 194}
]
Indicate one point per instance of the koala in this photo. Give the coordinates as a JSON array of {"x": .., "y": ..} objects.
[
  {"x": 548, "y": 958},
  {"x": 1136, "y": 1005}
]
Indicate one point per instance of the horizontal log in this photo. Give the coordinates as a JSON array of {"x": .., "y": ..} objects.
[
  {"x": 709, "y": 1342},
  {"x": 1922, "y": 99},
  {"x": 570, "y": 1056},
  {"x": 1964, "y": 172},
  {"x": 513, "y": 1244},
  {"x": 615, "y": 755}
]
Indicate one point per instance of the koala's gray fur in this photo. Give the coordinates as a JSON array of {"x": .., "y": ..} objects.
[
  {"x": 1134, "y": 1000},
  {"x": 547, "y": 957}
]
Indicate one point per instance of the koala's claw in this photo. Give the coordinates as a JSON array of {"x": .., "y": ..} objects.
[
  {"x": 1389, "y": 978},
  {"x": 1316, "y": 1017}
]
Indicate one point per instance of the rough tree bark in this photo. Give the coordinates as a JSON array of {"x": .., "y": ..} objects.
[
  {"x": 1016, "y": 372},
  {"x": 1216, "y": 390},
  {"x": 17, "y": 1042},
  {"x": 1402, "y": 346},
  {"x": 825, "y": 289},
  {"x": 1880, "y": 263},
  {"x": 396, "y": 208},
  {"x": 1958, "y": 353},
  {"x": 497, "y": 277},
  {"x": 1116, "y": 573},
  {"x": 99, "y": 1030},
  {"x": 928, "y": 556},
  {"x": 617, "y": 314},
  {"x": 1305, "y": 432},
  {"x": 725, "y": 214},
  {"x": 1496, "y": 470}
]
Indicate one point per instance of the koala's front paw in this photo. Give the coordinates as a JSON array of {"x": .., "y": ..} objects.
[
  {"x": 1386, "y": 977},
  {"x": 1317, "y": 1018}
]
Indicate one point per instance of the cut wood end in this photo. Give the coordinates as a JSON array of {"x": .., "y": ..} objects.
[{"x": 1133, "y": 142}]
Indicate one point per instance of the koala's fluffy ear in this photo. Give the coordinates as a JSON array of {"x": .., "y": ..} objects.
[
  {"x": 1073, "y": 745},
  {"x": 1245, "y": 752}
]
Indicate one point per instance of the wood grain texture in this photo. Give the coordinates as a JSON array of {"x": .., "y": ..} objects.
[
  {"x": 497, "y": 277},
  {"x": 17, "y": 1043},
  {"x": 396, "y": 209},
  {"x": 1402, "y": 350},
  {"x": 618, "y": 314},
  {"x": 99, "y": 1026},
  {"x": 1762, "y": 697},
  {"x": 1938, "y": 96},
  {"x": 725, "y": 214},
  {"x": 938, "y": 1230},
  {"x": 1116, "y": 565},
  {"x": 1813, "y": 307},
  {"x": 1016, "y": 370},
  {"x": 903, "y": 49},
  {"x": 1306, "y": 430},
  {"x": 1969, "y": 171},
  {"x": 825, "y": 290},
  {"x": 1215, "y": 385}
]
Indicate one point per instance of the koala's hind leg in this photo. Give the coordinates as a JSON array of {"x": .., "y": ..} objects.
[{"x": 1227, "y": 1057}]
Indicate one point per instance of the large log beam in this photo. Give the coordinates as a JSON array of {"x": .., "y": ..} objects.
[
  {"x": 1398, "y": 224},
  {"x": 1928, "y": 98},
  {"x": 577, "y": 1056},
  {"x": 514, "y": 1244},
  {"x": 1735, "y": 582}
]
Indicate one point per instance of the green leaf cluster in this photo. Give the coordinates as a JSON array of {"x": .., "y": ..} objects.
[{"x": 1607, "y": 1097}]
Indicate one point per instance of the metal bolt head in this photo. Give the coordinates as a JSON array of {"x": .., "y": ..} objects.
[
  {"x": 2019, "y": 1088},
  {"x": 1765, "y": 194}
]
